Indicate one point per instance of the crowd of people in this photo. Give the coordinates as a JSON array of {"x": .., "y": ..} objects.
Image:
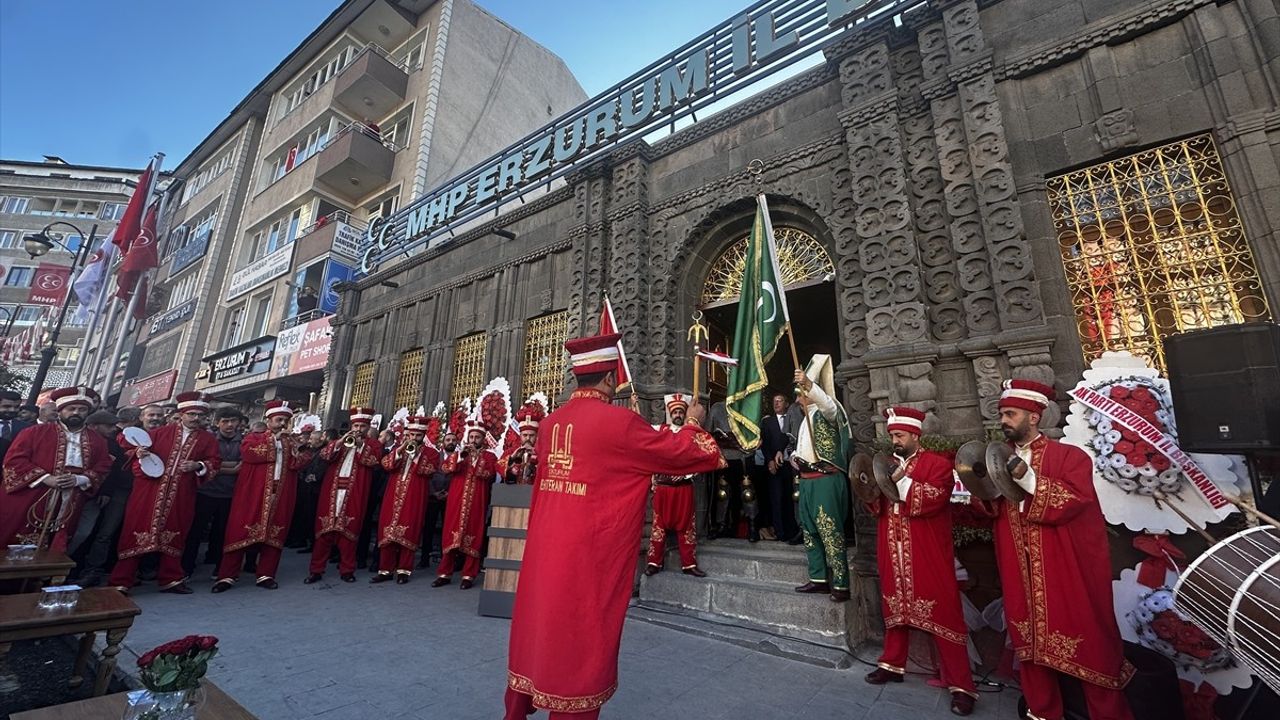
[{"x": 232, "y": 494}]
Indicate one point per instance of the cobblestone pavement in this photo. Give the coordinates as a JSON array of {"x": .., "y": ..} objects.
[{"x": 342, "y": 651}]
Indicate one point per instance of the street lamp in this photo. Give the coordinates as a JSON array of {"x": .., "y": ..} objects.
[{"x": 36, "y": 246}]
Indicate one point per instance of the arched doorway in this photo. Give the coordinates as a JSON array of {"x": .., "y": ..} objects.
[{"x": 808, "y": 275}]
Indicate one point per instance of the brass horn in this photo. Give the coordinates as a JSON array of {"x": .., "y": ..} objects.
[
  {"x": 349, "y": 440},
  {"x": 882, "y": 468},
  {"x": 411, "y": 447},
  {"x": 862, "y": 479}
]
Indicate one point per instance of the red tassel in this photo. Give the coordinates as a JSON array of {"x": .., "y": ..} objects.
[{"x": 1161, "y": 555}]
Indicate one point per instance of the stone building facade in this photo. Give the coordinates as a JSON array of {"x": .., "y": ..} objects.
[{"x": 958, "y": 166}]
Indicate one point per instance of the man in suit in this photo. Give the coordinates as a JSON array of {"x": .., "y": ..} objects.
[
  {"x": 777, "y": 442},
  {"x": 10, "y": 426}
]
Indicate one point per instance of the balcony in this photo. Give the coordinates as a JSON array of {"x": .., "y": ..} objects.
[
  {"x": 371, "y": 86},
  {"x": 301, "y": 319},
  {"x": 355, "y": 162},
  {"x": 336, "y": 232}
]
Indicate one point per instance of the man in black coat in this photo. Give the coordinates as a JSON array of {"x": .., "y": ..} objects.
[
  {"x": 778, "y": 431},
  {"x": 10, "y": 425}
]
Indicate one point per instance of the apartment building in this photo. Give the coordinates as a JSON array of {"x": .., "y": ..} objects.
[
  {"x": 73, "y": 199},
  {"x": 383, "y": 101}
]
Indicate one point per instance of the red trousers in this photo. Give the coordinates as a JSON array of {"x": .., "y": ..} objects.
[
  {"x": 470, "y": 565},
  {"x": 953, "y": 659},
  {"x": 1044, "y": 696},
  {"x": 673, "y": 509},
  {"x": 520, "y": 706},
  {"x": 125, "y": 573},
  {"x": 233, "y": 560},
  {"x": 395, "y": 557},
  {"x": 324, "y": 545}
]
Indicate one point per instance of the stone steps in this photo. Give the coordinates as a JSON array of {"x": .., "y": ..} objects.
[
  {"x": 750, "y": 586},
  {"x": 737, "y": 633}
]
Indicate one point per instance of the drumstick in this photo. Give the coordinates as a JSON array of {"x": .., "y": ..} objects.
[{"x": 1192, "y": 524}]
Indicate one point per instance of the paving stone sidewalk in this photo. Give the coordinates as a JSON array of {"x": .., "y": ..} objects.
[{"x": 343, "y": 651}]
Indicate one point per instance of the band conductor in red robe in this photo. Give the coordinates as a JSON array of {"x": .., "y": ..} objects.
[
  {"x": 916, "y": 558},
  {"x": 49, "y": 471},
  {"x": 343, "y": 496},
  {"x": 404, "y": 504},
  {"x": 596, "y": 463},
  {"x": 472, "y": 470},
  {"x": 262, "y": 503},
  {"x": 161, "y": 509},
  {"x": 1055, "y": 567}
]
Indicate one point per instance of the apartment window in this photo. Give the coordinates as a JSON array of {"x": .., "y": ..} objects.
[
  {"x": 260, "y": 317},
  {"x": 544, "y": 359},
  {"x": 9, "y": 239},
  {"x": 24, "y": 313},
  {"x": 12, "y": 204},
  {"x": 20, "y": 276},
  {"x": 395, "y": 129},
  {"x": 1152, "y": 245},
  {"x": 177, "y": 240},
  {"x": 112, "y": 212},
  {"x": 386, "y": 207},
  {"x": 311, "y": 142},
  {"x": 231, "y": 328},
  {"x": 468, "y": 367},
  {"x": 409, "y": 384},
  {"x": 321, "y": 75},
  {"x": 184, "y": 290},
  {"x": 409, "y": 55},
  {"x": 362, "y": 384},
  {"x": 252, "y": 248}
]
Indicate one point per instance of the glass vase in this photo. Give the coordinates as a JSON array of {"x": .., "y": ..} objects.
[{"x": 175, "y": 705}]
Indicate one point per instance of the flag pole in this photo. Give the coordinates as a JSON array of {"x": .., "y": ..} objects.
[
  {"x": 773, "y": 257},
  {"x": 697, "y": 333},
  {"x": 109, "y": 373},
  {"x": 99, "y": 303}
]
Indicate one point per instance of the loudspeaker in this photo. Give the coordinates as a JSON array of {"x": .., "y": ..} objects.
[{"x": 1226, "y": 387}]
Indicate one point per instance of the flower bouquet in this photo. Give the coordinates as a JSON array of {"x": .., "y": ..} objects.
[{"x": 171, "y": 674}]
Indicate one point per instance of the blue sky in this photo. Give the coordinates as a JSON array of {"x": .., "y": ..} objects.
[{"x": 109, "y": 82}]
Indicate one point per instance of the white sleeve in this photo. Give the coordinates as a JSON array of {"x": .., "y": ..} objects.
[
  {"x": 823, "y": 402},
  {"x": 904, "y": 487},
  {"x": 82, "y": 481}
]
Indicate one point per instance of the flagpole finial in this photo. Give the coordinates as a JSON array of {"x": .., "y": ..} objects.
[{"x": 756, "y": 168}]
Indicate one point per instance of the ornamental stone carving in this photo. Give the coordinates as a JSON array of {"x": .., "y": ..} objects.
[{"x": 1116, "y": 130}]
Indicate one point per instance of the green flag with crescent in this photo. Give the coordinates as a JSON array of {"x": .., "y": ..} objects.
[{"x": 762, "y": 320}]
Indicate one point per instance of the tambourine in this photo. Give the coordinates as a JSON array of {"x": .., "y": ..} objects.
[
  {"x": 152, "y": 466},
  {"x": 137, "y": 437}
]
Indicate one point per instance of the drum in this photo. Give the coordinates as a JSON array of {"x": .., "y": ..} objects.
[
  {"x": 1232, "y": 592},
  {"x": 152, "y": 466},
  {"x": 137, "y": 437}
]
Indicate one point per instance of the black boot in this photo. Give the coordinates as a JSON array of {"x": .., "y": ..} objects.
[{"x": 753, "y": 535}]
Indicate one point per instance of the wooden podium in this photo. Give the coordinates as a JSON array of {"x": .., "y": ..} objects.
[{"x": 507, "y": 532}]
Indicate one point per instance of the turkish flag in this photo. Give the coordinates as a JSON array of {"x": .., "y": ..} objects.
[
  {"x": 608, "y": 326},
  {"x": 140, "y": 258},
  {"x": 131, "y": 221}
]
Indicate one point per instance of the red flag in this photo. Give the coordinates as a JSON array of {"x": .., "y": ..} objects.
[
  {"x": 609, "y": 325},
  {"x": 140, "y": 258},
  {"x": 140, "y": 307},
  {"x": 131, "y": 221}
]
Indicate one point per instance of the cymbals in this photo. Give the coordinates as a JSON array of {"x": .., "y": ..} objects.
[
  {"x": 998, "y": 455},
  {"x": 971, "y": 467},
  {"x": 882, "y": 467},
  {"x": 862, "y": 478}
]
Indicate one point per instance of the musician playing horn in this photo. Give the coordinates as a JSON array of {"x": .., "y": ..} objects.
[
  {"x": 343, "y": 496},
  {"x": 1055, "y": 567},
  {"x": 404, "y": 505},
  {"x": 916, "y": 558}
]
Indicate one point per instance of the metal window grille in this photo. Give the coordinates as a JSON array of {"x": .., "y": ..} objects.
[
  {"x": 1152, "y": 245},
  {"x": 801, "y": 260},
  {"x": 362, "y": 384},
  {"x": 544, "y": 355},
  {"x": 409, "y": 384},
  {"x": 468, "y": 367}
]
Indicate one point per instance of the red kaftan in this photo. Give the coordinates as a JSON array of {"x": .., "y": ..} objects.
[
  {"x": 262, "y": 504},
  {"x": 343, "y": 512},
  {"x": 160, "y": 510},
  {"x": 596, "y": 462},
  {"x": 1055, "y": 568},
  {"x": 469, "y": 484},
  {"x": 404, "y": 504},
  {"x": 38, "y": 451}
]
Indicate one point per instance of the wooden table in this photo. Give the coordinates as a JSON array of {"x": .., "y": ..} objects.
[
  {"x": 47, "y": 564},
  {"x": 218, "y": 706},
  {"x": 99, "y": 609}
]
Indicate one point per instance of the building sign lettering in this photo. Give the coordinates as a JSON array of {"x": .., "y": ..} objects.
[
  {"x": 192, "y": 251},
  {"x": 259, "y": 272},
  {"x": 724, "y": 60},
  {"x": 250, "y": 359},
  {"x": 172, "y": 318}
]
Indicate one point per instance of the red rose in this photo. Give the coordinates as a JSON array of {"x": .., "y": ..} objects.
[
  {"x": 1118, "y": 392},
  {"x": 1143, "y": 447},
  {"x": 1141, "y": 393},
  {"x": 1128, "y": 434},
  {"x": 1135, "y": 459},
  {"x": 1160, "y": 462},
  {"x": 1124, "y": 447},
  {"x": 208, "y": 642},
  {"x": 146, "y": 660}
]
